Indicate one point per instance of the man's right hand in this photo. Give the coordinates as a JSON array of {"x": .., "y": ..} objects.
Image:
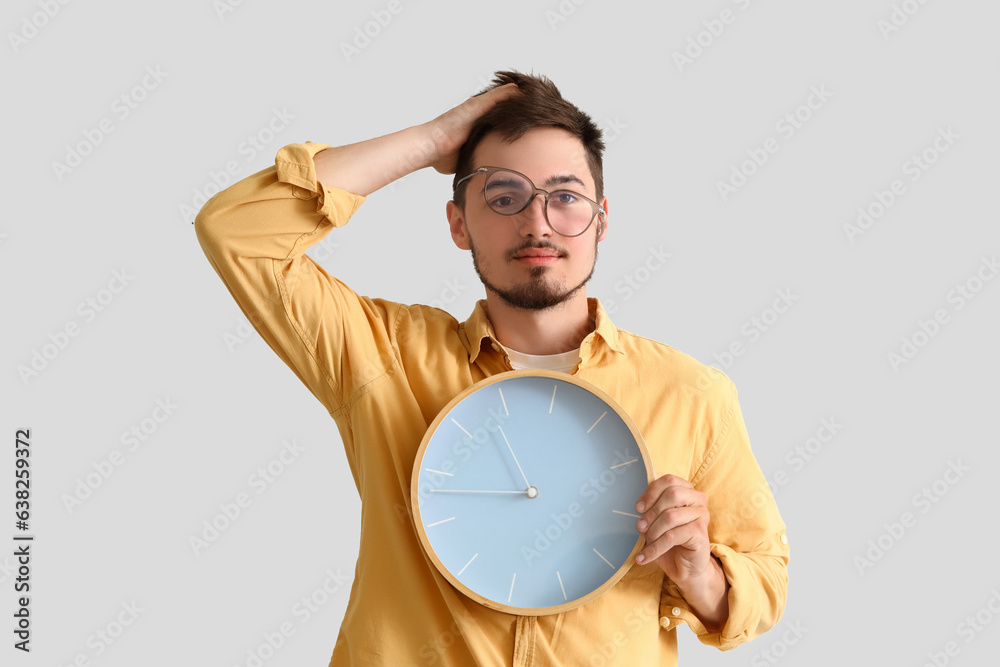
[{"x": 450, "y": 130}]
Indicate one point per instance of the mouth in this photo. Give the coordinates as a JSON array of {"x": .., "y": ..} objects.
[{"x": 537, "y": 257}]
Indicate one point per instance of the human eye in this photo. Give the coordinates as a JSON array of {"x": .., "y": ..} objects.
[
  {"x": 504, "y": 202},
  {"x": 566, "y": 198}
]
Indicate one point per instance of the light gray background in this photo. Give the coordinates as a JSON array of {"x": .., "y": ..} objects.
[{"x": 673, "y": 134}]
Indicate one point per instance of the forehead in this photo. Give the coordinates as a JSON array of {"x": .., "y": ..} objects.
[{"x": 539, "y": 154}]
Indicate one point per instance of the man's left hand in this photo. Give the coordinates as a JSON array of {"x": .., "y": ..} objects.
[{"x": 675, "y": 522}]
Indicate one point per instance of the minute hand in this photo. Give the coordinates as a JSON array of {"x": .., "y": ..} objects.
[{"x": 526, "y": 484}]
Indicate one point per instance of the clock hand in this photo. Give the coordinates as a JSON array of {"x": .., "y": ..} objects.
[
  {"x": 515, "y": 458},
  {"x": 475, "y": 491}
]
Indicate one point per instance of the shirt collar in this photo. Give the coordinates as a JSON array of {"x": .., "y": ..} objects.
[{"x": 478, "y": 328}]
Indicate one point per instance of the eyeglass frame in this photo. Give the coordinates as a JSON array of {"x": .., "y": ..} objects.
[{"x": 598, "y": 209}]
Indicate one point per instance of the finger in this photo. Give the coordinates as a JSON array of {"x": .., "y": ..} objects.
[
  {"x": 657, "y": 524},
  {"x": 506, "y": 90},
  {"x": 675, "y": 518},
  {"x": 675, "y": 480},
  {"x": 465, "y": 114},
  {"x": 656, "y": 489},
  {"x": 479, "y": 104},
  {"x": 676, "y": 496},
  {"x": 486, "y": 101},
  {"x": 685, "y": 536},
  {"x": 678, "y": 537}
]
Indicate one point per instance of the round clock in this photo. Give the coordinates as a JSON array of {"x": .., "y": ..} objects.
[{"x": 524, "y": 490}]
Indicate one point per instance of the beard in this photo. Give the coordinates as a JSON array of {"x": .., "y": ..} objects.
[{"x": 538, "y": 292}]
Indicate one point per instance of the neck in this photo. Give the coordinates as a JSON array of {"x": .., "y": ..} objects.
[{"x": 552, "y": 331}]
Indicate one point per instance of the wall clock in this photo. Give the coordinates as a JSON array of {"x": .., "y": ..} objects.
[{"x": 524, "y": 490}]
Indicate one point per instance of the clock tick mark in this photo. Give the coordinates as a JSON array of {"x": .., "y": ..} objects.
[
  {"x": 467, "y": 565},
  {"x": 561, "y": 585},
  {"x": 441, "y": 521},
  {"x": 511, "y": 587},
  {"x": 623, "y": 464},
  {"x": 626, "y": 513},
  {"x": 598, "y": 420},
  {"x": 503, "y": 401},
  {"x": 440, "y": 472},
  {"x": 604, "y": 559},
  {"x": 461, "y": 427},
  {"x": 554, "y": 387}
]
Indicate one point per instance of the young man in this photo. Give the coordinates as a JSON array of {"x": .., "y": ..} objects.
[{"x": 716, "y": 554}]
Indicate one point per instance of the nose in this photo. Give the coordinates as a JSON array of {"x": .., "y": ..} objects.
[{"x": 532, "y": 221}]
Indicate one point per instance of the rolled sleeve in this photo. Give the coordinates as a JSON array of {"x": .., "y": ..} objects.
[
  {"x": 746, "y": 532},
  {"x": 255, "y": 234},
  {"x": 294, "y": 165}
]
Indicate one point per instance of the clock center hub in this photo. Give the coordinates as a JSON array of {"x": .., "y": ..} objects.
[{"x": 532, "y": 492}]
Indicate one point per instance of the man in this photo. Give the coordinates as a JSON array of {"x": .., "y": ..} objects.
[{"x": 716, "y": 552}]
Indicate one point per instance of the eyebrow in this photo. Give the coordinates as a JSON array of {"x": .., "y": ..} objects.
[
  {"x": 549, "y": 182},
  {"x": 560, "y": 180},
  {"x": 504, "y": 183}
]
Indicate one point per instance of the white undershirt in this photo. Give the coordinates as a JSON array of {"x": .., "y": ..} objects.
[{"x": 564, "y": 361}]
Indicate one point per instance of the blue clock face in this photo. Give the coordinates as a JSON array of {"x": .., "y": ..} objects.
[{"x": 524, "y": 492}]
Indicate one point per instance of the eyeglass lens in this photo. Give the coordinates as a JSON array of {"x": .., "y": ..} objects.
[{"x": 508, "y": 193}]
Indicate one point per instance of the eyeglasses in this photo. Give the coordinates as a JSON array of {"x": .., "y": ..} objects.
[{"x": 509, "y": 192}]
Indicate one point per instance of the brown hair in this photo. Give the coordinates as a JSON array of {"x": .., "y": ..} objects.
[{"x": 538, "y": 104}]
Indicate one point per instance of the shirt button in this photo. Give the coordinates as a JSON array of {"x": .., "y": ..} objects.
[
  {"x": 784, "y": 539},
  {"x": 664, "y": 621},
  {"x": 676, "y": 611}
]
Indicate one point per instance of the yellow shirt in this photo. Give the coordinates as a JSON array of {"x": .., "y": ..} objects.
[{"x": 384, "y": 370}]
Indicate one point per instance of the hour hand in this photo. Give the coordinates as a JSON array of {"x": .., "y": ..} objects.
[{"x": 528, "y": 491}]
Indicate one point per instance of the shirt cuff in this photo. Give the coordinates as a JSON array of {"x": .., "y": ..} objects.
[
  {"x": 743, "y": 597},
  {"x": 294, "y": 165}
]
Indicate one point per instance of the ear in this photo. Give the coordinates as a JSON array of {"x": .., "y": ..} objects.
[
  {"x": 602, "y": 228},
  {"x": 456, "y": 221}
]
